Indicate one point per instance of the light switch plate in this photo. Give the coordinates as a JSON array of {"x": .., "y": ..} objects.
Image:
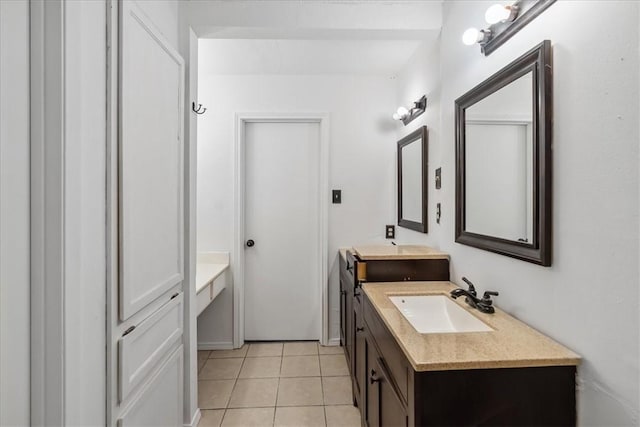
[{"x": 336, "y": 196}]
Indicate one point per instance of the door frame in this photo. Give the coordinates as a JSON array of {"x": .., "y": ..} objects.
[{"x": 239, "y": 187}]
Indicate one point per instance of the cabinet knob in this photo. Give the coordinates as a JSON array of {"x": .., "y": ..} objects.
[
  {"x": 373, "y": 378},
  {"x": 250, "y": 243},
  {"x": 360, "y": 329}
]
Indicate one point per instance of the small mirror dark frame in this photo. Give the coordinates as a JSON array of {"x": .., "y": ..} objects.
[
  {"x": 538, "y": 62},
  {"x": 421, "y": 136}
]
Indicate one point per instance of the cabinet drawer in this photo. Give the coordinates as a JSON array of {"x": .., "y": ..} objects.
[
  {"x": 160, "y": 402},
  {"x": 140, "y": 351},
  {"x": 390, "y": 352},
  {"x": 203, "y": 298}
]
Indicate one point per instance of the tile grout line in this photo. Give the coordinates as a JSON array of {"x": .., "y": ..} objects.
[
  {"x": 226, "y": 406},
  {"x": 275, "y": 404}
]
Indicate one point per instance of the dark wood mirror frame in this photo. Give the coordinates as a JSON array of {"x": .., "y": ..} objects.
[
  {"x": 538, "y": 62},
  {"x": 418, "y": 135}
]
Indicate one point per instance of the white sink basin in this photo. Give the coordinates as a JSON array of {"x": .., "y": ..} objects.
[{"x": 432, "y": 314}]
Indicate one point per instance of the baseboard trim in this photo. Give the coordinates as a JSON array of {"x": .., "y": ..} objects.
[
  {"x": 216, "y": 345},
  {"x": 195, "y": 420},
  {"x": 333, "y": 341}
]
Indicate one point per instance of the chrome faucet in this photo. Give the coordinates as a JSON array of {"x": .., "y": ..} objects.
[{"x": 484, "y": 304}]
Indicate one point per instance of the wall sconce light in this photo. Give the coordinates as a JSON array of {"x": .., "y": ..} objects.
[
  {"x": 473, "y": 36},
  {"x": 505, "y": 21},
  {"x": 499, "y": 13},
  {"x": 408, "y": 115}
]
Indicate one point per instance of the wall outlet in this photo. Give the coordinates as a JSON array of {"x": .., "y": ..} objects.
[
  {"x": 390, "y": 231},
  {"x": 438, "y": 178}
]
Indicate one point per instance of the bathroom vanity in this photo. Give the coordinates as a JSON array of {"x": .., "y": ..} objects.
[
  {"x": 378, "y": 263},
  {"x": 506, "y": 373},
  {"x": 212, "y": 276}
]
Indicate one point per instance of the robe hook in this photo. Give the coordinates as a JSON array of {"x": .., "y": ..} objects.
[{"x": 199, "y": 110}]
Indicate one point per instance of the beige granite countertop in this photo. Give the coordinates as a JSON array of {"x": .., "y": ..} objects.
[
  {"x": 511, "y": 344},
  {"x": 378, "y": 252}
]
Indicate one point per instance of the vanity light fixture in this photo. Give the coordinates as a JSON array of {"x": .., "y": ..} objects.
[
  {"x": 500, "y": 13},
  {"x": 473, "y": 36},
  {"x": 406, "y": 115},
  {"x": 504, "y": 21}
]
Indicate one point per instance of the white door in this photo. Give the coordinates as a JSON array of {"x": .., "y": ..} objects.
[{"x": 282, "y": 219}]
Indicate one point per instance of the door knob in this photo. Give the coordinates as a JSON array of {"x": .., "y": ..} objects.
[{"x": 250, "y": 243}]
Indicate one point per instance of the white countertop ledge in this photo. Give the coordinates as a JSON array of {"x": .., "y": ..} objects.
[{"x": 209, "y": 266}]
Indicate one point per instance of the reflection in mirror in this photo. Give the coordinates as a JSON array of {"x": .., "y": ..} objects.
[
  {"x": 498, "y": 155},
  {"x": 503, "y": 160},
  {"x": 412, "y": 185},
  {"x": 412, "y": 181}
]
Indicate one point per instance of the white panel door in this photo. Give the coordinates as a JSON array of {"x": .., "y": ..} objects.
[
  {"x": 151, "y": 167},
  {"x": 282, "y": 272}
]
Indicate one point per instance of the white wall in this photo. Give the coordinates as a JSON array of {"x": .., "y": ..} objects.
[
  {"x": 14, "y": 213},
  {"x": 421, "y": 76},
  {"x": 588, "y": 299},
  {"x": 362, "y": 142},
  {"x": 85, "y": 210}
]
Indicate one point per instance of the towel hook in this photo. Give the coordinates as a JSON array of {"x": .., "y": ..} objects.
[{"x": 199, "y": 110}]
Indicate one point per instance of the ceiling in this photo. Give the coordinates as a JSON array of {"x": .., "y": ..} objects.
[
  {"x": 311, "y": 36},
  {"x": 216, "y": 56}
]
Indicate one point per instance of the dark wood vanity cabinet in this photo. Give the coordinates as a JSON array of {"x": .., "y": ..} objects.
[
  {"x": 346, "y": 308},
  {"x": 395, "y": 394},
  {"x": 355, "y": 271},
  {"x": 382, "y": 404},
  {"x": 359, "y": 353}
]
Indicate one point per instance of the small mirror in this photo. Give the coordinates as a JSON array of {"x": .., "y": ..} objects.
[
  {"x": 412, "y": 181},
  {"x": 503, "y": 160}
]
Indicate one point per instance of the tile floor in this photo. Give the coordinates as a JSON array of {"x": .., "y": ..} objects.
[{"x": 298, "y": 384}]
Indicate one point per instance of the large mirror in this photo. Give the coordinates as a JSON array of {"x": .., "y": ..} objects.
[
  {"x": 412, "y": 181},
  {"x": 503, "y": 160}
]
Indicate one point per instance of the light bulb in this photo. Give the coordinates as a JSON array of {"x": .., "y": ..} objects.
[
  {"x": 402, "y": 111},
  {"x": 497, "y": 13},
  {"x": 470, "y": 36}
]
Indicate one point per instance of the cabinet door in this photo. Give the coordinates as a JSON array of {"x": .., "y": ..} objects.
[
  {"x": 160, "y": 401},
  {"x": 349, "y": 327},
  {"x": 140, "y": 351},
  {"x": 151, "y": 85},
  {"x": 343, "y": 312},
  {"x": 392, "y": 410},
  {"x": 383, "y": 406},
  {"x": 358, "y": 368},
  {"x": 371, "y": 410}
]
